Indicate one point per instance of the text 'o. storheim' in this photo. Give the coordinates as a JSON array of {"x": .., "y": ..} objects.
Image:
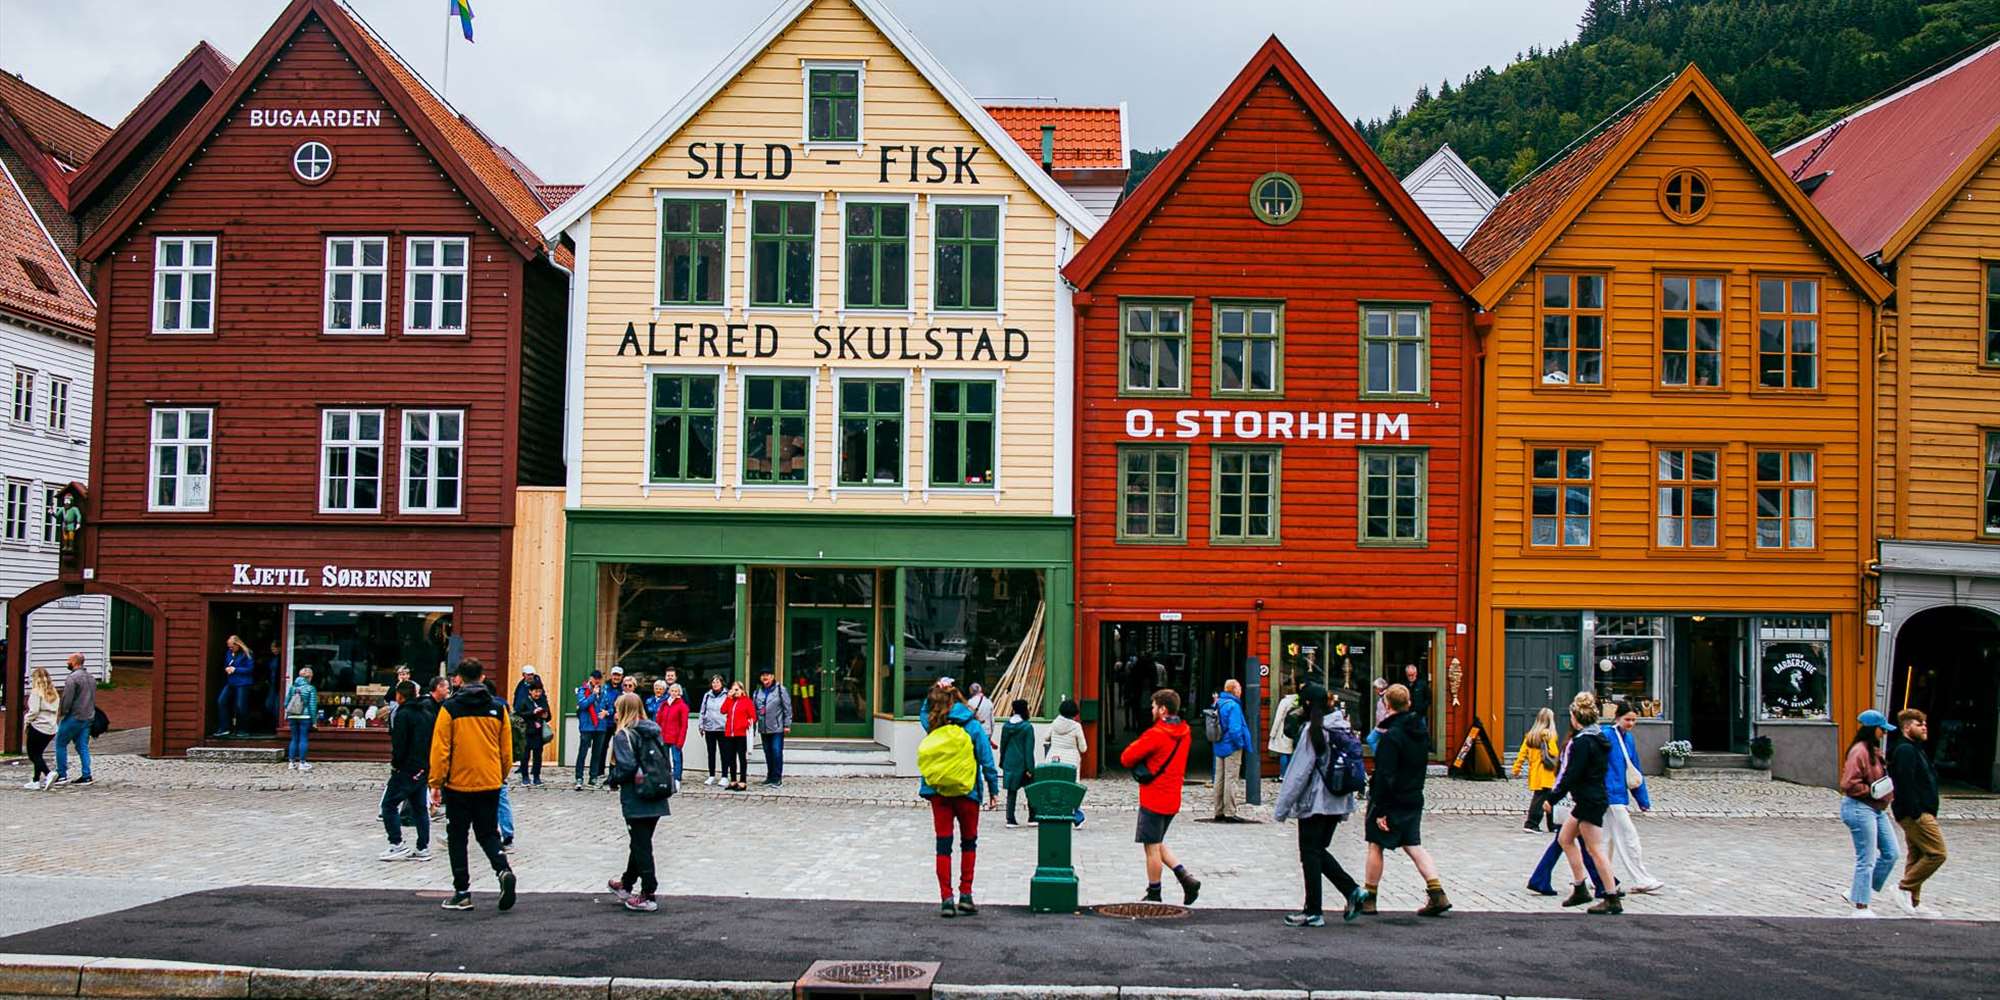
[
  {"x": 1265, "y": 425},
  {"x": 338, "y": 577}
]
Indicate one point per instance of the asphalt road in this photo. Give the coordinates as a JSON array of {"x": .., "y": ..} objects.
[{"x": 570, "y": 934}]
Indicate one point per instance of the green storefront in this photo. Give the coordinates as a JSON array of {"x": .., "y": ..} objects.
[{"x": 858, "y": 615}]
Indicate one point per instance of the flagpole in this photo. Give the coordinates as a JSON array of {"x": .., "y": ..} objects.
[{"x": 445, "y": 89}]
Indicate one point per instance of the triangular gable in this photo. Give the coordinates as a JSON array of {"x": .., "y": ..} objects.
[
  {"x": 467, "y": 161},
  {"x": 52, "y": 138},
  {"x": 1447, "y": 162},
  {"x": 1272, "y": 57},
  {"x": 26, "y": 243},
  {"x": 1606, "y": 155},
  {"x": 905, "y": 43},
  {"x": 203, "y": 69}
]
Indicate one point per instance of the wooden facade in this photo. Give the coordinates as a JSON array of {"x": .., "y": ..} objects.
[
  {"x": 337, "y": 391},
  {"x": 1678, "y": 439},
  {"x": 1181, "y": 581}
]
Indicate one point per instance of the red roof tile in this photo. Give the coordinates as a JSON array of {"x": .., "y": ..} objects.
[
  {"x": 1087, "y": 138},
  {"x": 1886, "y": 160},
  {"x": 57, "y": 129},
  {"x": 24, "y": 249},
  {"x": 553, "y": 195},
  {"x": 1525, "y": 207}
]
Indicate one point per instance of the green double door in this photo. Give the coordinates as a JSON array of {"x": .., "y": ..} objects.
[{"x": 830, "y": 661}]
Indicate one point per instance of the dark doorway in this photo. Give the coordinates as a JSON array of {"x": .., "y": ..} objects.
[
  {"x": 1718, "y": 694},
  {"x": 1947, "y": 663},
  {"x": 1540, "y": 670},
  {"x": 1138, "y": 658},
  {"x": 261, "y": 627}
]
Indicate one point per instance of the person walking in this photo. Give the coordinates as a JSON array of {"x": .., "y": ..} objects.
[
  {"x": 1287, "y": 721},
  {"x": 232, "y": 705},
  {"x": 409, "y": 758},
  {"x": 594, "y": 700},
  {"x": 470, "y": 748},
  {"x": 1229, "y": 751},
  {"x": 531, "y": 704},
  {"x": 672, "y": 718},
  {"x": 637, "y": 739},
  {"x": 712, "y": 723},
  {"x": 1625, "y": 786},
  {"x": 1066, "y": 743},
  {"x": 1420, "y": 692},
  {"x": 1396, "y": 802},
  {"x": 774, "y": 721},
  {"x": 1582, "y": 781},
  {"x": 301, "y": 712},
  {"x": 1537, "y": 754},
  {"x": 951, "y": 807},
  {"x": 1915, "y": 808},
  {"x": 739, "y": 716},
  {"x": 1868, "y": 791},
  {"x": 1017, "y": 757},
  {"x": 1158, "y": 762},
  {"x": 1319, "y": 793},
  {"x": 43, "y": 703},
  {"x": 76, "y": 709}
]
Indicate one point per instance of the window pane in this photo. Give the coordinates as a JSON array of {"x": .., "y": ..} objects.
[
  {"x": 1770, "y": 295},
  {"x": 1170, "y": 364},
  {"x": 1577, "y": 465},
  {"x": 1590, "y": 291},
  {"x": 1555, "y": 291},
  {"x": 1674, "y": 294}
]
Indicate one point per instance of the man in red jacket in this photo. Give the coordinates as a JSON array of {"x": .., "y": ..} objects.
[{"x": 1158, "y": 758}]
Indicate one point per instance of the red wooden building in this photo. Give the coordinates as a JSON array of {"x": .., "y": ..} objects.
[
  {"x": 1276, "y": 440},
  {"x": 329, "y": 347}
]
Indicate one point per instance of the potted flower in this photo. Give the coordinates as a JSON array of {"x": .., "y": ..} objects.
[
  {"x": 1761, "y": 751},
  {"x": 1676, "y": 752}
]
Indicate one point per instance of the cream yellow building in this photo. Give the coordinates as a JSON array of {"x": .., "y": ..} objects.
[{"x": 820, "y": 371}]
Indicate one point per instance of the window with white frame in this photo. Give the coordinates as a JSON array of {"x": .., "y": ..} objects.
[
  {"x": 14, "y": 516},
  {"x": 181, "y": 441},
  {"x": 351, "y": 461},
  {"x": 357, "y": 280},
  {"x": 58, "y": 403},
  {"x": 433, "y": 460},
  {"x": 184, "y": 284},
  {"x": 434, "y": 285},
  {"x": 24, "y": 395}
]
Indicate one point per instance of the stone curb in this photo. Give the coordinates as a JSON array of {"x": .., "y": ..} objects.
[
  {"x": 686, "y": 989},
  {"x": 295, "y": 984},
  {"x": 41, "y": 975},
  {"x": 482, "y": 986},
  {"x": 144, "y": 979},
  {"x": 950, "y": 991}
]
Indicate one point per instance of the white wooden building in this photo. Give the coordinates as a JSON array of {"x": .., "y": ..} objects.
[{"x": 1451, "y": 194}]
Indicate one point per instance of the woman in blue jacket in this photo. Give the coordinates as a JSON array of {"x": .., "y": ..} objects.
[
  {"x": 1626, "y": 785},
  {"x": 944, "y": 707},
  {"x": 232, "y": 706}
]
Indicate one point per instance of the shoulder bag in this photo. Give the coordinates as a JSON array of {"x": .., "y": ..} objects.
[{"x": 1144, "y": 775}]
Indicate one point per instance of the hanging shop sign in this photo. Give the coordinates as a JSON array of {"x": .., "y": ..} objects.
[
  {"x": 839, "y": 342},
  {"x": 329, "y": 576},
  {"x": 1271, "y": 425}
]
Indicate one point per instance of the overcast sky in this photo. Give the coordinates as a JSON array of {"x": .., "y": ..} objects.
[{"x": 569, "y": 84}]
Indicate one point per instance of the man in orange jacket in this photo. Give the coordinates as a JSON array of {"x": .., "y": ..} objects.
[
  {"x": 471, "y": 745},
  {"x": 1163, "y": 752}
]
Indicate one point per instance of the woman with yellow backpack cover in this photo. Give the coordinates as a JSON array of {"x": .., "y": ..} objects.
[{"x": 954, "y": 755}]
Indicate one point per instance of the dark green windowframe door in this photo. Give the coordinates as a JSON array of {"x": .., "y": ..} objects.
[{"x": 829, "y": 656}]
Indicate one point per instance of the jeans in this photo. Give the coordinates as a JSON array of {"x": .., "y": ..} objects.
[
  {"x": 774, "y": 757},
  {"x": 75, "y": 731},
  {"x": 1228, "y": 779},
  {"x": 506, "y": 815},
  {"x": 675, "y": 753},
  {"x": 592, "y": 745},
  {"x": 639, "y": 855},
  {"x": 405, "y": 792},
  {"x": 479, "y": 814},
  {"x": 531, "y": 755},
  {"x": 231, "y": 707},
  {"x": 1875, "y": 850},
  {"x": 38, "y": 750},
  {"x": 1926, "y": 853},
  {"x": 301, "y": 735},
  {"x": 1284, "y": 761},
  {"x": 1315, "y": 833},
  {"x": 1542, "y": 878}
]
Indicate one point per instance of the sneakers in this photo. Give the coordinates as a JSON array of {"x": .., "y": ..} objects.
[
  {"x": 1304, "y": 920},
  {"x": 710, "y": 780},
  {"x": 47, "y": 780},
  {"x": 965, "y": 905},
  {"x": 618, "y": 889},
  {"x": 459, "y": 901},
  {"x": 291, "y": 765},
  {"x": 34, "y": 785},
  {"x": 1011, "y": 825},
  {"x": 1861, "y": 913},
  {"x": 947, "y": 909},
  {"x": 1649, "y": 887},
  {"x": 1355, "y": 900},
  {"x": 1903, "y": 902},
  {"x": 579, "y": 785},
  {"x": 1437, "y": 904},
  {"x": 506, "y": 845},
  {"x": 85, "y": 780},
  {"x": 506, "y": 890},
  {"x": 397, "y": 852},
  {"x": 776, "y": 784},
  {"x": 1613, "y": 904},
  {"x": 640, "y": 904},
  {"x": 1190, "y": 888},
  {"x": 421, "y": 854},
  {"x": 1579, "y": 894},
  {"x": 303, "y": 766},
  {"x": 1920, "y": 910},
  {"x": 61, "y": 780}
]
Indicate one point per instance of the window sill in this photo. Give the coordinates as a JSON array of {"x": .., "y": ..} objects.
[
  {"x": 181, "y": 513},
  {"x": 354, "y": 333},
  {"x": 1796, "y": 722},
  {"x": 887, "y": 312},
  {"x": 1697, "y": 392},
  {"x": 1154, "y": 542},
  {"x": 1371, "y": 543},
  {"x": 184, "y": 333},
  {"x": 1686, "y": 551},
  {"x": 1246, "y": 543},
  {"x": 834, "y": 146},
  {"x": 1581, "y": 389},
  {"x": 1813, "y": 553},
  {"x": 1394, "y": 397},
  {"x": 1124, "y": 393},
  {"x": 691, "y": 307},
  {"x": 940, "y": 312},
  {"x": 1273, "y": 396},
  {"x": 439, "y": 334},
  {"x": 1568, "y": 551},
  {"x": 427, "y": 513},
  {"x": 344, "y": 514}
]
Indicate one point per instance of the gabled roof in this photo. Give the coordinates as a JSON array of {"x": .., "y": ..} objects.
[
  {"x": 1271, "y": 58},
  {"x": 57, "y": 130},
  {"x": 200, "y": 73},
  {"x": 1530, "y": 217},
  {"x": 1447, "y": 162},
  {"x": 553, "y": 195},
  {"x": 1087, "y": 138},
  {"x": 905, "y": 43},
  {"x": 1888, "y": 168},
  {"x": 36, "y": 281},
  {"x": 471, "y": 161}
]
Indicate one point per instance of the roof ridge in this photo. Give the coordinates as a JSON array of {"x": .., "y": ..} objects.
[{"x": 1630, "y": 107}]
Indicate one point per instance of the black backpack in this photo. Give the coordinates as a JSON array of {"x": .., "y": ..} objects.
[
  {"x": 655, "y": 777},
  {"x": 1342, "y": 770}
]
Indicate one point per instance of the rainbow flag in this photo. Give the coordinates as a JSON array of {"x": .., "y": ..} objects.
[{"x": 461, "y": 9}]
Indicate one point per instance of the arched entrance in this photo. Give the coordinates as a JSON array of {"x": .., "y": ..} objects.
[
  {"x": 1947, "y": 663},
  {"x": 16, "y": 673}
]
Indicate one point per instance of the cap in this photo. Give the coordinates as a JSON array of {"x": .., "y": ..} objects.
[
  {"x": 617, "y": 670},
  {"x": 528, "y": 669},
  {"x": 944, "y": 682},
  {"x": 1876, "y": 719}
]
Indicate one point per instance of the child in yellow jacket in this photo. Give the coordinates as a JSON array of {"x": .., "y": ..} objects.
[{"x": 1538, "y": 754}]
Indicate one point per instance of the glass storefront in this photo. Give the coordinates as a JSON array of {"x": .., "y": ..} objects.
[
  {"x": 1627, "y": 653},
  {"x": 1348, "y": 661},
  {"x": 1792, "y": 661},
  {"x": 354, "y": 651},
  {"x": 970, "y": 625},
  {"x": 654, "y": 618}
]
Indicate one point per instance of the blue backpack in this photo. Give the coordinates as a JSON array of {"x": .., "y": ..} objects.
[{"x": 1342, "y": 771}]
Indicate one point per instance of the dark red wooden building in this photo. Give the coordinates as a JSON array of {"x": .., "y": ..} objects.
[
  {"x": 329, "y": 348},
  {"x": 1277, "y": 455}
]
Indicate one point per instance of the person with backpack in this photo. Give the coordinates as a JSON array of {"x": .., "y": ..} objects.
[
  {"x": 643, "y": 773},
  {"x": 1319, "y": 793},
  {"x": 471, "y": 746},
  {"x": 1017, "y": 756},
  {"x": 712, "y": 723},
  {"x": 301, "y": 712},
  {"x": 1066, "y": 743},
  {"x": 1230, "y": 738},
  {"x": 774, "y": 721},
  {"x": 1158, "y": 762},
  {"x": 1287, "y": 720},
  {"x": 1538, "y": 755},
  {"x": 1396, "y": 801},
  {"x": 739, "y": 716},
  {"x": 594, "y": 701},
  {"x": 954, "y": 756}
]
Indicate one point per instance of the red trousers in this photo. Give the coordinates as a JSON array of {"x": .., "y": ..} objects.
[{"x": 963, "y": 810}]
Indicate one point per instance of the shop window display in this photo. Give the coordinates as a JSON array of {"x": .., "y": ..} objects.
[
  {"x": 354, "y": 653},
  {"x": 971, "y": 625},
  {"x": 654, "y": 618},
  {"x": 1628, "y": 651},
  {"x": 1792, "y": 668},
  {"x": 1349, "y": 661}
]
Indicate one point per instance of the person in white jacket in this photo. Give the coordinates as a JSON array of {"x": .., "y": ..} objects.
[
  {"x": 1066, "y": 744},
  {"x": 41, "y": 718},
  {"x": 1282, "y": 743}
]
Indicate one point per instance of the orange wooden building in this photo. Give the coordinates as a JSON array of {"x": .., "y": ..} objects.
[{"x": 1677, "y": 440}]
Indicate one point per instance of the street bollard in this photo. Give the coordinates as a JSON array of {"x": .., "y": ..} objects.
[{"x": 1053, "y": 798}]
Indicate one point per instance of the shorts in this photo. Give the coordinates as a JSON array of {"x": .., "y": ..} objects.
[
  {"x": 1406, "y": 829},
  {"x": 1152, "y": 826},
  {"x": 1590, "y": 812}
]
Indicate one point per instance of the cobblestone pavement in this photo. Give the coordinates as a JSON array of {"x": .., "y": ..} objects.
[{"x": 1767, "y": 850}]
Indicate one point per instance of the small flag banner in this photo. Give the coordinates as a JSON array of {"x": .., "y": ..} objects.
[{"x": 462, "y": 9}]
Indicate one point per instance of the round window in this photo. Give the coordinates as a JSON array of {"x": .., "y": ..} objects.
[
  {"x": 312, "y": 162},
  {"x": 1684, "y": 196},
  {"x": 1275, "y": 198}
]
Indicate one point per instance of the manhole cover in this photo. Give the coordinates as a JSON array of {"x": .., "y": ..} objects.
[
  {"x": 865, "y": 978},
  {"x": 1142, "y": 911}
]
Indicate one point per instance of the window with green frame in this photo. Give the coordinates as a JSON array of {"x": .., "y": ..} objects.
[
  {"x": 1395, "y": 351},
  {"x": 1249, "y": 348},
  {"x": 1153, "y": 340},
  {"x": 833, "y": 103},
  {"x": 694, "y": 250},
  {"x": 777, "y": 419},
  {"x": 1990, "y": 516},
  {"x": 878, "y": 255},
  {"x": 963, "y": 447},
  {"x": 1243, "y": 486},
  {"x": 1395, "y": 496},
  {"x": 967, "y": 249},
  {"x": 871, "y": 432},
  {"x": 1993, "y": 312},
  {"x": 781, "y": 253},
  {"x": 1152, "y": 496},
  {"x": 684, "y": 407}
]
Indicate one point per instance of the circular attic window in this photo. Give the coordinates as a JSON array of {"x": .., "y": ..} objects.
[
  {"x": 1275, "y": 198},
  {"x": 1684, "y": 196},
  {"x": 312, "y": 161}
]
